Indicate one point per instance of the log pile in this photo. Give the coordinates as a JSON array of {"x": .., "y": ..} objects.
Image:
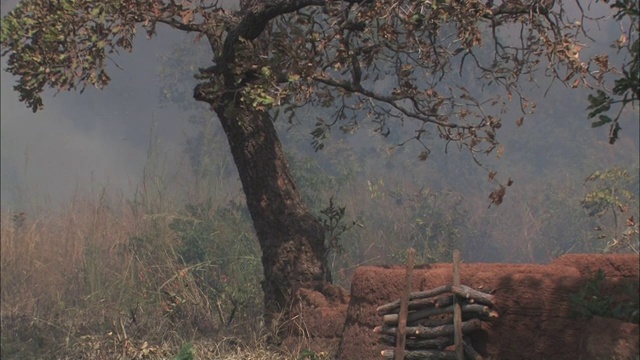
[{"x": 430, "y": 329}]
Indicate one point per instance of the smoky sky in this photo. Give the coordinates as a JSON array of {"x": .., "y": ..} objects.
[
  {"x": 100, "y": 137},
  {"x": 96, "y": 138}
]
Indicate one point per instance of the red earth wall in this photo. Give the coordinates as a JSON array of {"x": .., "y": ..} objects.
[{"x": 533, "y": 302}]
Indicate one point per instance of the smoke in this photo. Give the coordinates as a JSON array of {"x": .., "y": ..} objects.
[{"x": 98, "y": 138}]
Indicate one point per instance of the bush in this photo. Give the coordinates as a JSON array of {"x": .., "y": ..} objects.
[{"x": 591, "y": 301}]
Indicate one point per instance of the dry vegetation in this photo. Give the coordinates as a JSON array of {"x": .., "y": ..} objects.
[
  {"x": 101, "y": 280},
  {"x": 142, "y": 277}
]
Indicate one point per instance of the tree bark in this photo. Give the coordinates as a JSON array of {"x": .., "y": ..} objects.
[{"x": 290, "y": 236}]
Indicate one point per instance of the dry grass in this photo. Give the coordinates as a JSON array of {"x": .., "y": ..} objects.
[{"x": 101, "y": 279}]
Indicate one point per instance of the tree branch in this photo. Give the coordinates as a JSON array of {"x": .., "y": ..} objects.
[
  {"x": 180, "y": 25},
  {"x": 430, "y": 117}
]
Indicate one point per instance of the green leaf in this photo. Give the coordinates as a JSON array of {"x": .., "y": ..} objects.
[
  {"x": 186, "y": 352},
  {"x": 603, "y": 119}
]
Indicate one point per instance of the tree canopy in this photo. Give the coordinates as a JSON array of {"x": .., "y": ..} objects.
[{"x": 388, "y": 59}]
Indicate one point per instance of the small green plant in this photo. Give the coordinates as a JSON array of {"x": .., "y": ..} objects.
[
  {"x": 332, "y": 218},
  {"x": 185, "y": 353},
  {"x": 195, "y": 231},
  {"x": 611, "y": 200},
  {"x": 312, "y": 355},
  {"x": 591, "y": 301}
]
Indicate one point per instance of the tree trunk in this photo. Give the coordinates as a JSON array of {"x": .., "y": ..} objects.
[{"x": 291, "y": 237}]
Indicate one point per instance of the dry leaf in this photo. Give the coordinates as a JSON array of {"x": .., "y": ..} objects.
[
  {"x": 187, "y": 17},
  {"x": 497, "y": 195}
]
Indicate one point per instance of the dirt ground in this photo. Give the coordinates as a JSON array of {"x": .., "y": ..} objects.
[{"x": 535, "y": 320}]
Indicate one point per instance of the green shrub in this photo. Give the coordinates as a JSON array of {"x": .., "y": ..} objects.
[
  {"x": 186, "y": 352},
  {"x": 591, "y": 301},
  {"x": 222, "y": 256}
]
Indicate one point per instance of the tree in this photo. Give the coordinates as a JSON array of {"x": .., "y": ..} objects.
[
  {"x": 452, "y": 67},
  {"x": 610, "y": 199},
  {"x": 626, "y": 87}
]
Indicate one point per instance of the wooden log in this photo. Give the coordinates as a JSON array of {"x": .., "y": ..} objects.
[
  {"x": 414, "y": 344},
  {"x": 473, "y": 294},
  {"x": 433, "y": 322},
  {"x": 416, "y": 316},
  {"x": 395, "y": 305},
  {"x": 457, "y": 311},
  {"x": 401, "y": 338},
  {"x": 449, "y": 320},
  {"x": 469, "y": 352},
  {"x": 441, "y": 301},
  {"x": 421, "y": 304},
  {"x": 462, "y": 290},
  {"x": 444, "y": 300},
  {"x": 423, "y": 332},
  {"x": 422, "y": 355}
]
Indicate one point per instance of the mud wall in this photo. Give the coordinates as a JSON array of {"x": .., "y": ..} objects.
[{"x": 535, "y": 320}]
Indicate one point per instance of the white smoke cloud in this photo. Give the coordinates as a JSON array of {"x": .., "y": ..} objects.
[{"x": 92, "y": 139}]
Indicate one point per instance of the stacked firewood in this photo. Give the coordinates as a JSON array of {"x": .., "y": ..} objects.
[{"x": 429, "y": 323}]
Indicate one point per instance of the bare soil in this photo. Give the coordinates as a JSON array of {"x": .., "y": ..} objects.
[{"x": 536, "y": 318}]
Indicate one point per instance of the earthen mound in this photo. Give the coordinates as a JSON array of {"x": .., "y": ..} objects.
[{"x": 318, "y": 319}]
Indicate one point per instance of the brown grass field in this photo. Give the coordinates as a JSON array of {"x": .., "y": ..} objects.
[{"x": 99, "y": 279}]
